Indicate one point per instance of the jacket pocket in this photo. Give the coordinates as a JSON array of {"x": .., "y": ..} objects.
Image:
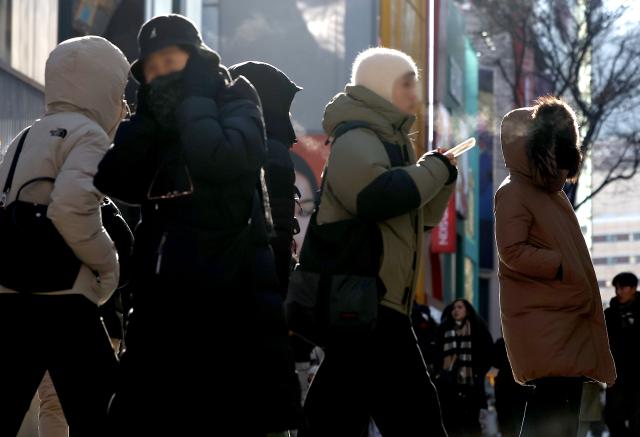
[{"x": 574, "y": 289}]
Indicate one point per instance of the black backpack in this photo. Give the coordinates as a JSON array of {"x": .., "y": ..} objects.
[{"x": 335, "y": 289}]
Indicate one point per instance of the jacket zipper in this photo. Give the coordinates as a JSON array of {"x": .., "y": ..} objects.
[{"x": 159, "y": 253}]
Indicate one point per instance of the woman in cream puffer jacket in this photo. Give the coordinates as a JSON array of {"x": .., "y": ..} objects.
[{"x": 61, "y": 331}]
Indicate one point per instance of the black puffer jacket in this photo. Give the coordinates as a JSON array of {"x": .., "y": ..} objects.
[
  {"x": 276, "y": 93},
  {"x": 623, "y": 326},
  {"x": 218, "y": 150},
  {"x": 203, "y": 274}
]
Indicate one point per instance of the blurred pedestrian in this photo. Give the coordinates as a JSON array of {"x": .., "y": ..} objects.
[
  {"x": 276, "y": 92},
  {"x": 465, "y": 351},
  {"x": 51, "y": 321},
  {"x": 205, "y": 283},
  {"x": 551, "y": 311},
  {"x": 511, "y": 397},
  {"x": 426, "y": 329},
  {"x": 622, "y": 411},
  {"x": 376, "y": 189}
]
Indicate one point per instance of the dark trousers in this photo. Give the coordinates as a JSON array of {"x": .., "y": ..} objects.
[
  {"x": 510, "y": 416},
  {"x": 383, "y": 377},
  {"x": 622, "y": 412},
  {"x": 189, "y": 369},
  {"x": 461, "y": 407},
  {"x": 553, "y": 408},
  {"x": 64, "y": 335},
  {"x": 511, "y": 399}
]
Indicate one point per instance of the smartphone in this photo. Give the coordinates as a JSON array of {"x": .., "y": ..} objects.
[{"x": 461, "y": 148}]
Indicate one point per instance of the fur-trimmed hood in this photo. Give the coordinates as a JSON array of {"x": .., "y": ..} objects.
[{"x": 535, "y": 138}]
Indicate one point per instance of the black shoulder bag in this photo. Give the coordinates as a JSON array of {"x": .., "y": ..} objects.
[
  {"x": 34, "y": 258},
  {"x": 334, "y": 291}
]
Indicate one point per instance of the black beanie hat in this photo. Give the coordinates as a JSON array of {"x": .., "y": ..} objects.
[{"x": 164, "y": 31}]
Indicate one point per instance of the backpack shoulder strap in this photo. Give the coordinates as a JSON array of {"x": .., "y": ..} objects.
[
  {"x": 397, "y": 153},
  {"x": 340, "y": 130},
  {"x": 345, "y": 127},
  {"x": 12, "y": 170}
]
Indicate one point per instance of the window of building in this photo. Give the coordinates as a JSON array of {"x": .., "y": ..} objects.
[
  {"x": 204, "y": 13},
  {"x": 614, "y": 260},
  {"x": 159, "y": 7},
  {"x": 620, "y": 260},
  {"x": 211, "y": 23},
  {"x": 92, "y": 18},
  {"x": 611, "y": 238},
  {"x": 5, "y": 30},
  {"x": 28, "y": 32}
]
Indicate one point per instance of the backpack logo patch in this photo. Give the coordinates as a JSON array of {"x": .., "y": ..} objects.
[{"x": 62, "y": 133}]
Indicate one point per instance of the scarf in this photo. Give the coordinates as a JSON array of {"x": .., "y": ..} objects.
[
  {"x": 457, "y": 353},
  {"x": 164, "y": 95}
]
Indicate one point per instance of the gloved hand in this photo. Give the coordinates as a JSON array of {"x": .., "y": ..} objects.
[
  {"x": 437, "y": 154},
  {"x": 201, "y": 76}
]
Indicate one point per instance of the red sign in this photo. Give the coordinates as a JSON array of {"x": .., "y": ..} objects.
[{"x": 443, "y": 236}]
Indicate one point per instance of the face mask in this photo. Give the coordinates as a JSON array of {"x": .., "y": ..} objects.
[{"x": 164, "y": 95}]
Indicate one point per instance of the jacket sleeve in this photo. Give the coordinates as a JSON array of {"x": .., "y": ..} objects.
[
  {"x": 434, "y": 210},
  {"x": 513, "y": 222},
  {"x": 126, "y": 171},
  {"x": 360, "y": 177},
  {"x": 75, "y": 208},
  {"x": 122, "y": 238},
  {"x": 221, "y": 143}
]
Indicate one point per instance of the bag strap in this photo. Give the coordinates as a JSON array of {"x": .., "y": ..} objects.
[
  {"x": 347, "y": 126},
  {"x": 30, "y": 181},
  {"x": 14, "y": 163},
  {"x": 340, "y": 130}
]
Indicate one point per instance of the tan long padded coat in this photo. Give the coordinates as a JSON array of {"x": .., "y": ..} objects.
[{"x": 551, "y": 327}]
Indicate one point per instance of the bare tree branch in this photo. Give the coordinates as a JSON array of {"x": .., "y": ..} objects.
[{"x": 586, "y": 57}]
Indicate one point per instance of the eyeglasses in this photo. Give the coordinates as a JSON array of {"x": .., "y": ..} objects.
[{"x": 127, "y": 109}]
